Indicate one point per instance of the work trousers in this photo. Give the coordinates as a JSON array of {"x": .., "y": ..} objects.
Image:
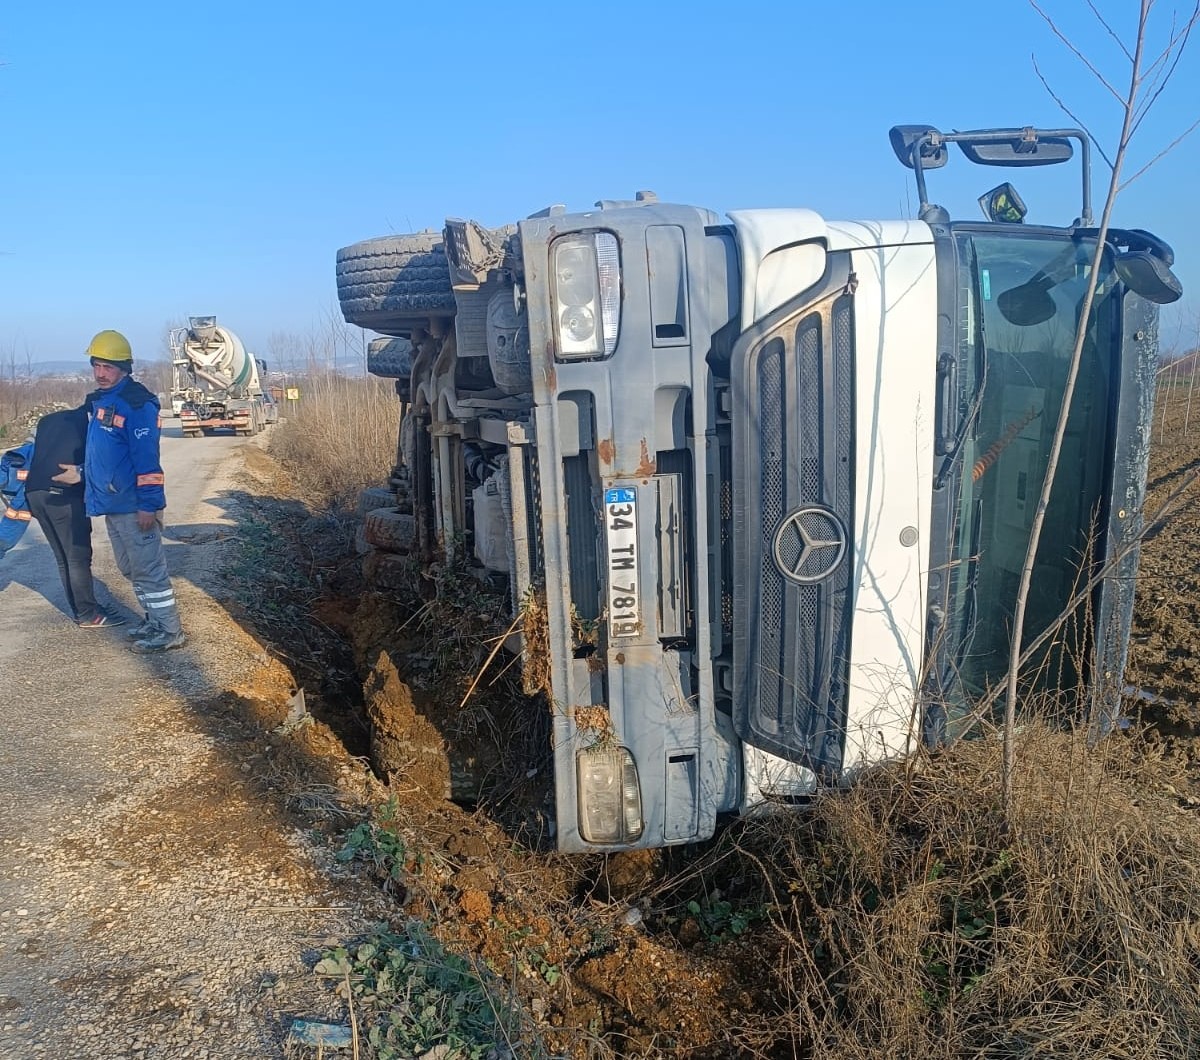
[
  {"x": 68, "y": 531},
  {"x": 140, "y": 557}
]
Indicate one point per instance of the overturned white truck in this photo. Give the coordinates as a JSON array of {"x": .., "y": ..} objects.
[
  {"x": 215, "y": 383},
  {"x": 775, "y": 475}
]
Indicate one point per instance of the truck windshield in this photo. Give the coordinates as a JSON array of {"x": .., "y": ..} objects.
[{"x": 1020, "y": 296}]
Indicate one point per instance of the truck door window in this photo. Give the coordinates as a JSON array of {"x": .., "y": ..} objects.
[{"x": 1021, "y": 296}]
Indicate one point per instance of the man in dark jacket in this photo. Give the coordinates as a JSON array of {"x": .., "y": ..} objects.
[
  {"x": 123, "y": 481},
  {"x": 59, "y": 510}
]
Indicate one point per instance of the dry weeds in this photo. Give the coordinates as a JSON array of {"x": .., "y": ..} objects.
[
  {"x": 340, "y": 437},
  {"x": 909, "y": 919}
]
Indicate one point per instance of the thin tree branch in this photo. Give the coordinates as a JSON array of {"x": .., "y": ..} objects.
[
  {"x": 1166, "y": 150},
  {"x": 1150, "y": 74},
  {"x": 1176, "y": 41},
  {"x": 1177, "y": 44},
  {"x": 1067, "y": 111},
  {"x": 1111, "y": 33},
  {"x": 1076, "y": 52},
  {"x": 1128, "y": 104},
  {"x": 1153, "y": 525}
]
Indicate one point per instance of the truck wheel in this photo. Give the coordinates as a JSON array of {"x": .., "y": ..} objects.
[
  {"x": 390, "y": 530},
  {"x": 392, "y": 284},
  {"x": 375, "y": 497},
  {"x": 390, "y": 358},
  {"x": 386, "y": 570}
]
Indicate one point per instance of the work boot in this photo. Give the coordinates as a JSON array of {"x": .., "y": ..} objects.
[
  {"x": 143, "y": 629},
  {"x": 159, "y": 640}
]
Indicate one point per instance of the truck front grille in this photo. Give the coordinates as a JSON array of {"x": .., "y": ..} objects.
[{"x": 794, "y": 505}]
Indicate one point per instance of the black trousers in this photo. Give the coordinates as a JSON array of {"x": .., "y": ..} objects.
[{"x": 69, "y": 531}]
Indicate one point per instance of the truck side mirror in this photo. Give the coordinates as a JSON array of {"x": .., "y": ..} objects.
[
  {"x": 1145, "y": 273},
  {"x": 905, "y": 137},
  {"x": 1028, "y": 303}
]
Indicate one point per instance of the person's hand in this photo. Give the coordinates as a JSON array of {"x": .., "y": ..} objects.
[
  {"x": 69, "y": 476},
  {"x": 147, "y": 520}
]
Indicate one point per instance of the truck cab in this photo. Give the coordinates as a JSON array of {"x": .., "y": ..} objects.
[{"x": 771, "y": 478}]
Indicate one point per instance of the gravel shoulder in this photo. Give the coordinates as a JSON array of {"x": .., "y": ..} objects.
[{"x": 158, "y": 895}]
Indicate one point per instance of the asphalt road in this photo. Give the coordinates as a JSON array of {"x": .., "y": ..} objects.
[
  {"x": 33, "y": 609},
  {"x": 152, "y": 904}
]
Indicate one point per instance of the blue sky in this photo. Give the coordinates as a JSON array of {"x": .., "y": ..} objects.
[{"x": 161, "y": 160}]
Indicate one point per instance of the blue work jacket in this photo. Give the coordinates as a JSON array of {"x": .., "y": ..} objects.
[
  {"x": 122, "y": 472},
  {"x": 14, "y": 511}
]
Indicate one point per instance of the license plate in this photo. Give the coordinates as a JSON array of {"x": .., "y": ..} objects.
[{"x": 620, "y": 521}]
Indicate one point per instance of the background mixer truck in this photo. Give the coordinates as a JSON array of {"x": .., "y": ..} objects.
[
  {"x": 773, "y": 475},
  {"x": 215, "y": 383}
]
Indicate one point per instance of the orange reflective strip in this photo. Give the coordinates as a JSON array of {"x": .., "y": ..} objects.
[
  {"x": 159, "y": 423},
  {"x": 118, "y": 421},
  {"x": 22, "y": 475},
  {"x": 155, "y": 479},
  {"x": 12, "y": 513},
  {"x": 101, "y": 413}
]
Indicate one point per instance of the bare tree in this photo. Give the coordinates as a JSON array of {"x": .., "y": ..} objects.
[{"x": 1148, "y": 76}]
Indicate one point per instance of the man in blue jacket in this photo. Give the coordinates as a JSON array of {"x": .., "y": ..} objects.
[{"x": 123, "y": 481}]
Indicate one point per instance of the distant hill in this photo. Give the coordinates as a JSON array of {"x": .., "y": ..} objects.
[
  {"x": 352, "y": 365},
  {"x": 68, "y": 368}
]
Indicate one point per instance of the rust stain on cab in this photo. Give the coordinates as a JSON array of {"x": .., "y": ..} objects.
[
  {"x": 647, "y": 467},
  {"x": 606, "y": 451}
]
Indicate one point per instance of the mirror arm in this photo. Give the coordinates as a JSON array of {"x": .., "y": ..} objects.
[
  {"x": 919, "y": 169},
  {"x": 1085, "y": 150}
]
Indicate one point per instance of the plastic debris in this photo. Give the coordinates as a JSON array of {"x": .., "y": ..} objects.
[
  {"x": 297, "y": 714},
  {"x": 327, "y": 1035}
]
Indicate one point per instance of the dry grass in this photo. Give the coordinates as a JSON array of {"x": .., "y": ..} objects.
[
  {"x": 340, "y": 437},
  {"x": 535, "y": 631},
  {"x": 24, "y": 401},
  {"x": 907, "y": 919}
]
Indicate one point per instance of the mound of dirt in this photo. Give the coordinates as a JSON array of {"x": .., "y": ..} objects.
[{"x": 403, "y": 742}]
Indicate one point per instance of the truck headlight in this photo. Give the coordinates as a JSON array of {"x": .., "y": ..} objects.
[
  {"x": 587, "y": 295},
  {"x": 610, "y": 798}
]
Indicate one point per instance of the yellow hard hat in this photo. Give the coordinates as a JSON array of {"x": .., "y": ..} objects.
[{"x": 110, "y": 346}]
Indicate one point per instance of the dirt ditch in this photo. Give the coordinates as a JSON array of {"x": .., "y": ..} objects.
[{"x": 663, "y": 954}]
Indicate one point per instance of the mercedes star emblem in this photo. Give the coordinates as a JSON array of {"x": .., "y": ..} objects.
[{"x": 809, "y": 544}]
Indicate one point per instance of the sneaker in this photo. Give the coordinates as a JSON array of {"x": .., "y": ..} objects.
[
  {"x": 102, "y": 618},
  {"x": 159, "y": 640},
  {"x": 143, "y": 629}
]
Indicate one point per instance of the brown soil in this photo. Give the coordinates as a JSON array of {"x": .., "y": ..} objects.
[
  {"x": 620, "y": 950},
  {"x": 1164, "y": 656}
]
